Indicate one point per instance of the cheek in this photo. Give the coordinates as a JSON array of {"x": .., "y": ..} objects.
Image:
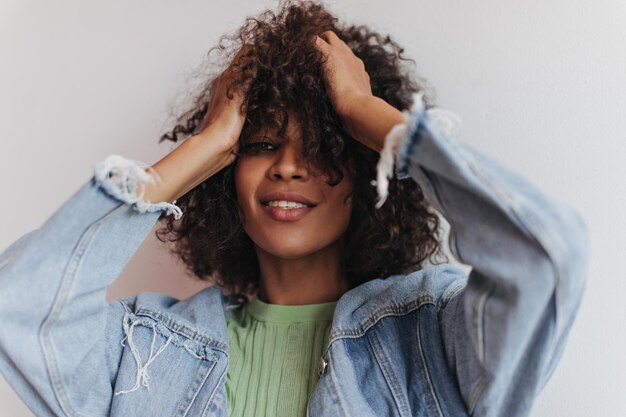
[
  {"x": 342, "y": 206},
  {"x": 347, "y": 211},
  {"x": 246, "y": 176},
  {"x": 244, "y": 179}
]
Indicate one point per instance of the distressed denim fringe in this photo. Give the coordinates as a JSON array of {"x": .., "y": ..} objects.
[
  {"x": 142, "y": 370},
  {"x": 119, "y": 176},
  {"x": 448, "y": 121}
]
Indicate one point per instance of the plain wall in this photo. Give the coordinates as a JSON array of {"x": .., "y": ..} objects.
[{"x": 538, "y": 85}]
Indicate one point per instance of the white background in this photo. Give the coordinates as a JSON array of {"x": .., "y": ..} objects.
[{"x": 541, "y": 86}]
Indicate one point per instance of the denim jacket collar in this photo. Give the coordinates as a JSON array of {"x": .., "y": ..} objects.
[{"x": 356, "y": 311}]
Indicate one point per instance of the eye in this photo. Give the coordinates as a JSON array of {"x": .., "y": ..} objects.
[{"x": 257, "y": 147}]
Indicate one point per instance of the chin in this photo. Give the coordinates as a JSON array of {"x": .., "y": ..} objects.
[
  {"x": 288, "y": 251},
  {"x": 293, "y": 248}
]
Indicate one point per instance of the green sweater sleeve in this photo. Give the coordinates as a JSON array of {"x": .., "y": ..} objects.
[{"x": 274, "y": 352}]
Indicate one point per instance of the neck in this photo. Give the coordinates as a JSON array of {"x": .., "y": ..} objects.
[{"x": 312, "y": 279}]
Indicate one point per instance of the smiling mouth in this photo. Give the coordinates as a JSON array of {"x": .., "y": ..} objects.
[
  {"x": 286, "y": 214},
  {"x": 267, "y": 204}
]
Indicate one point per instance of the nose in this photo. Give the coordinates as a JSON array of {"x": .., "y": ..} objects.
[{"x": 289, "y": 163}]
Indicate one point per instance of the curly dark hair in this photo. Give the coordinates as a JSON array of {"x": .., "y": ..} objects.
[{"x": 283, "y": 72}]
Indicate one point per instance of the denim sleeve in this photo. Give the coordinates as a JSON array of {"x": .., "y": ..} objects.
[
  {"x": 505, "y": 328},
  {"x": 60, "y": 340}
]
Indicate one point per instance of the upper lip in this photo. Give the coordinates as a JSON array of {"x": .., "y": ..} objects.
[{"x": 288, "y": 197}]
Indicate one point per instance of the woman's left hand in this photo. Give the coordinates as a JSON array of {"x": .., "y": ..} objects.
[
  {"x": 348, "y": 86},
  {"x": 346, "y": 79}
]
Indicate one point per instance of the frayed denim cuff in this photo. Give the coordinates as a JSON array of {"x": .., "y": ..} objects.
[
  {"x": 401, "y": 138},
  {"x": 119, "y": 177}
]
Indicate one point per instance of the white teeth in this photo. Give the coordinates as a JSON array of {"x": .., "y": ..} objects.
[{"x": 285, "y": 204}]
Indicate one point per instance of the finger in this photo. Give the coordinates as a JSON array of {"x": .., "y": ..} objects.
[
  {"x": 331, "y": 37},
  {"x": 321, "y": 44},
  {"x": 334, "y": 40},
  {"x": 324, "y": 35}
]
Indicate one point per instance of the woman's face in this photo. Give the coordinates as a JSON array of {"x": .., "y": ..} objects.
[{"x": 269, "y": 166}]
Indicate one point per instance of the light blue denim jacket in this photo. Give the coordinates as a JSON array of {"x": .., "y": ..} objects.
[{"x": 435, "y": 342}]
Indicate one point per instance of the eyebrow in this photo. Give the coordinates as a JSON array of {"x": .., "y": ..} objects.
[
  {"x": 260, "y": 134},
  {"x": 269, "y": 132}
]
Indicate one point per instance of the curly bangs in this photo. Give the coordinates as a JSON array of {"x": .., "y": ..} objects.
[{"x": 283, "y": 73}]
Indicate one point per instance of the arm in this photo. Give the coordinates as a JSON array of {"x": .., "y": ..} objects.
[
  {"x": 60, "y": 339},
  {"x": 505, "y": 331}
]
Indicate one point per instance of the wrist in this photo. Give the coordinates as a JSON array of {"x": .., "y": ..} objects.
[
  {"x": 213, "y": 146},
  {"x": 369, "y": 119},
  {"x": 224, "y": 132}
]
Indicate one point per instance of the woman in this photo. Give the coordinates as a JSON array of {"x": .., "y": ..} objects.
[{"x": 271, "y": 198}]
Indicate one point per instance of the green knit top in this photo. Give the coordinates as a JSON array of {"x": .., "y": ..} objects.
[{"x": 274, "y": 355}]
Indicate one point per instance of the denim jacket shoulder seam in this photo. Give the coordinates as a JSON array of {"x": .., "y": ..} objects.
[
  {"x": 391, "y": 310},
  {"x": 453, "y": 293}
]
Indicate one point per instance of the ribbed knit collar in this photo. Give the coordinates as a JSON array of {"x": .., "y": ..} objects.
[{"x": 279, "y": 313}]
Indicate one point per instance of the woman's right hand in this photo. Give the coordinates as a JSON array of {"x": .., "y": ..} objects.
[
  {"x": 206, "y": 152},
  {"x": 223, "y": 112}
]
